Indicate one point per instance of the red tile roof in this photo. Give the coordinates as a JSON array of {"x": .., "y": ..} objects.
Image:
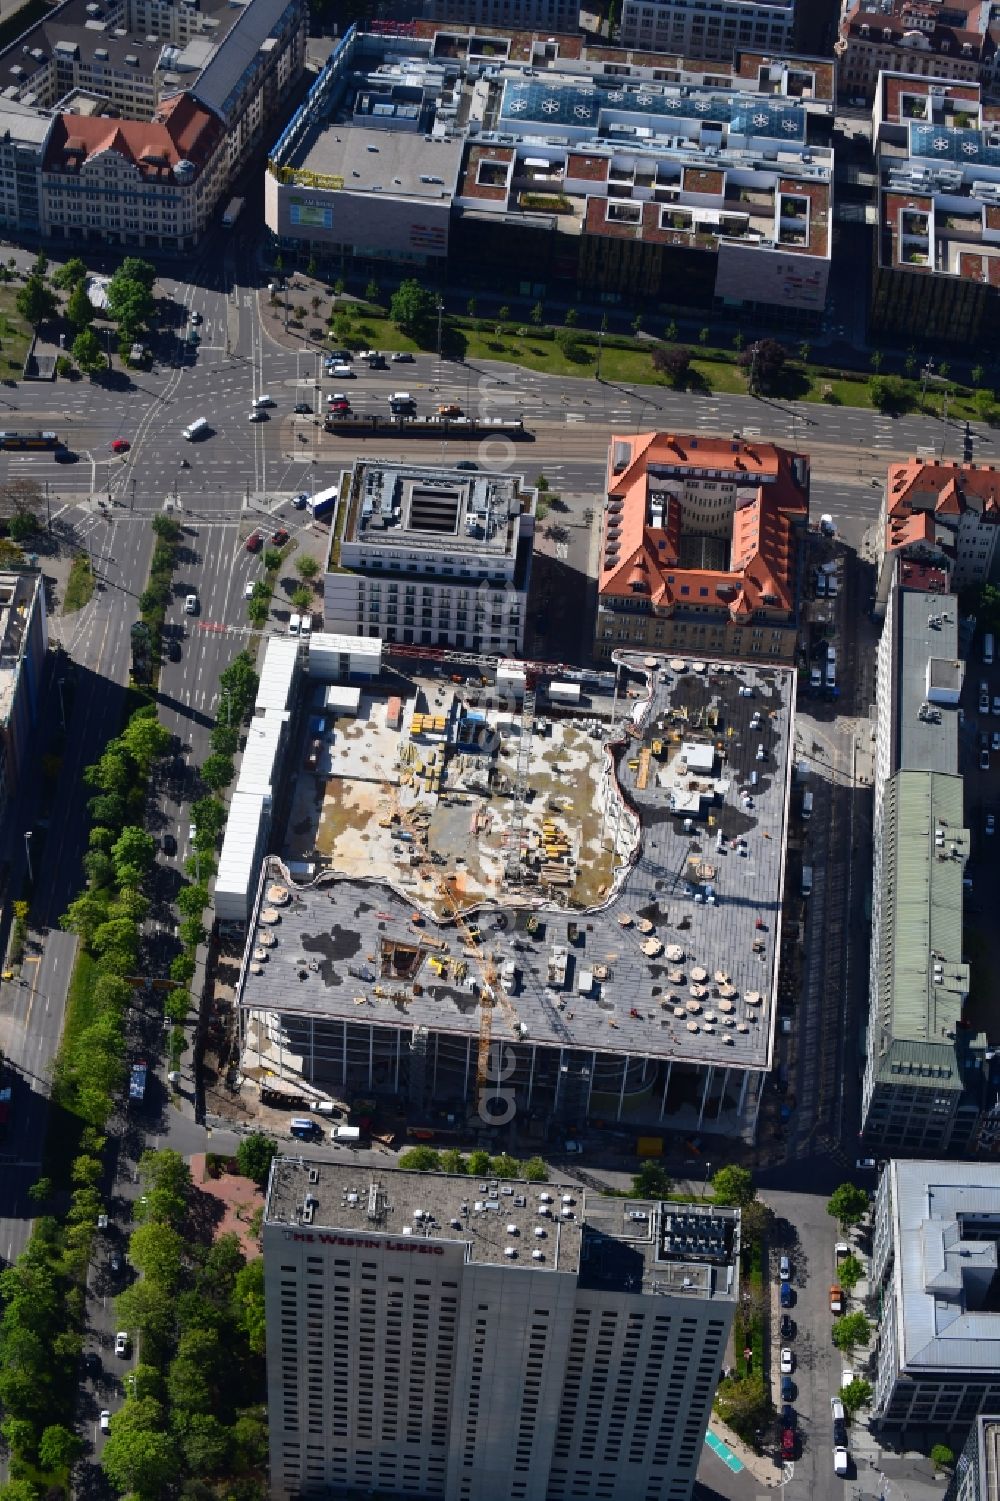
[
  {"x": 642, "y": 559},
  {"x": 181, "y": 130},
  {"x": 921, "y": 494}
]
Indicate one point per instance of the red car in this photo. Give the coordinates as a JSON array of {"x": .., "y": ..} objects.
[
  {"x": 788, "y": 1443},
  {"x": 280, "y": 537},
  {"x": 340, "y": 406},
  {"x": 254, "y": 542},
  {"x": 120, "y": 445}
]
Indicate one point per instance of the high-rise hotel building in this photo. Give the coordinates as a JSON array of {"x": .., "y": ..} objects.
[{"x": 474, "y": 1340}]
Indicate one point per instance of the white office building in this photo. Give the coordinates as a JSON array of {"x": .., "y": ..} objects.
[
  {"x": 483, "y": 1341},
  {"x": 934, "y": 1265},
  {"x": 707, "y": 28},
  {"x": 432, "y": 557}
]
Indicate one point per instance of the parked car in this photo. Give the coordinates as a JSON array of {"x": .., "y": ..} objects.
[
  {"x": 995, "y": 741},
  {"x": 787, "y": 1295},
  {"x": 115, "y": 1264},
  {"x": 121, "y": 1342},
  {"x": 866, "y": 1165},
  {"x": 788, "y": 1416},
  {"x": 787, "y": 1361},
  {"x": 984, "y": 760},
  {"x": 991, "y": 823},
  {"x": 846, "y": 1379},
  {"x": 105, "y": 1420},
  {"x": 788, "y": 1443},
  {"x": 787, "y": 1389},
  {"x": 787, "y": 1327},
  {"x": 784, "y": 1269}
]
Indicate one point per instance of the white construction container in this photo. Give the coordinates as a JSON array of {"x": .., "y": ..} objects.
[{"x": 564, "y": 693}]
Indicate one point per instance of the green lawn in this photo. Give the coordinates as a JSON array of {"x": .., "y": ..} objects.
[
  {"x": 80, "y": 586},
  {"x": 15, "y": 335},
  {"x": 713, "y": 369}
]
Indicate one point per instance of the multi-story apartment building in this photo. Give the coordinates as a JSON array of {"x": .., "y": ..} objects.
[
  {"x": 940, "y": 39},
  {"x": 708, "y": 28},
  {"x": 934, "y": 1268},
  {"x": 433, "y": 557},
  {"x": 700, "y": 545},
  {"x": 125, "y": 121},
  {"x": 127, "y": 182},
  {"x": 23, "y": 644},
  {"x": 533, "y": 161},
  {"x": 431, "y": 1336},
  {"x": 945, "y": 514},
  {"x": 937, "y": 264}
]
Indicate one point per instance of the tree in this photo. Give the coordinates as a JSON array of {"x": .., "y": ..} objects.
[
  {"x": 85, "y": 915},
  {"x": 138, "y": 1459},
  {"x": 192, "y": 900},
  {"x": 538, "y": 314},
  {"x": 977, "y": 373},
  {"x": 503, "y": 313},
  {"x": 941, "y": 1456},
  {"x": 674, "y": 362},
  {"x": 35, "y": 302},
  {"x": 258, "y": 611},
  {"x": 165, "y": 1173},
  {"x": 254, "y": 1156},
  {"x": 88, "y": 353},
  {"x": 535, "y": 1170},
  {"x": 40, "y": 1191},
  {"x": 704, "y": 334},
  {"x": 157, "y": 1251},
  {"x": 733, "y": 1185},
  {"x": 301, "y": 597},
  {"x": 205, "y": 1443},
  {"x": 79, "y": 308},
  {"x": 145, "y": 738},
  {"x": 372, "y": 291},
  {"x": 876, "y": 360},
  {"x": 738, "y": 340},
  {"x": 847, "y": 1205},
  {"x": 248, "y": 1303},
  {"x": 850, "y": 1272},
  {"x": 745, "y": 1405},
  {"x": 224, "y": 740},
  {"x": 670, "y": 332},
  {"x": 470, "y": 307},
  {"x": 479, "y": 1164},
  {"x": 209, "y": 816},
  {"x": 571, "y": 344},
  {"x": 505, "y": 1166},
  {"x": 853, "y": 1329},
  {"x": 134, "y": 847},
  {"x": 650, "y": 1182},
  {"x": 217, "y": 772},
  {"x": 58, "y": 1447},
  {"x": 421, "y": 1160},
  {"x": 413, "y": 308},
  {"x": 764, "y": 363},
  {"x": 306, "y": 566},
  {"x": 70, "y": 275},
  {"x": 452, "y": 1161},
  {"x": 856, "y": 1395},
  {"x": 272, "y": 559},
  {"x": 985, "y": 406}
]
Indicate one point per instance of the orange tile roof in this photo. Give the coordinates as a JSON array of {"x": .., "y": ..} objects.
[
  {"x": 642, "y": 559},
  {"x": 921, "y": 494},
  {"x": 181, "y": 130}
]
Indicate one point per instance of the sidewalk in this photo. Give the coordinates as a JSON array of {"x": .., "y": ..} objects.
[{"x": 760, "y": 1466}]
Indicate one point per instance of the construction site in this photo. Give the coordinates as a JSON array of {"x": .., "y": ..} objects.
[{"x": 519, "y": 896}]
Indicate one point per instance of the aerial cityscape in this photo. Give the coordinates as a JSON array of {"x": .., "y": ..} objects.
[{"x": 499, "y": 712}]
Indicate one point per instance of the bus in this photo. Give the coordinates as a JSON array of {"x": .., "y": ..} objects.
[
  {"x": 29, "y": 440},
  {"x": 232, "y": 212}
]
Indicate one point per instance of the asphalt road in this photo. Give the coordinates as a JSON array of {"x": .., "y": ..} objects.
[{"x": 243, "y": 475}]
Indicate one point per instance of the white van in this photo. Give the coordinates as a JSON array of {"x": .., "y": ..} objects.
[
  {"x": 807, "y": 880},
  {"x": 988, "y": 648},
  {"x": 807, "y": 804},
  {"x": 341, "y": 372},
  {"x": 294, "y": 624},
  {"x": 197, "y": 429},
  {"x": 305, "y": 625}
]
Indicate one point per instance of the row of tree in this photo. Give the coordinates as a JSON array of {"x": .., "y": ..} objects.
[
  {"x": 155, "y": 598},
  {"x": 130, "y": 304},
  {"x": 475, "y": 1164},
  {"x": 193, "y": 1421}
]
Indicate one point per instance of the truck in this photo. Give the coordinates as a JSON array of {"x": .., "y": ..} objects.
[
  {"x": 807, "y": 880},
  {"x": 348, "y": 1135},
  {"x": 232, "y": 212},
  {"x": 323, "y": 501},
  {"x": 137, "y": 1082},
  {"x": 836, "y": 1298}
]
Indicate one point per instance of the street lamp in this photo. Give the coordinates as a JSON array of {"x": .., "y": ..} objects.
[
  {"x": 27, "y": 853},
  {"x": 704, "y": 1187},
  {"x": 62, "y": 704}
]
